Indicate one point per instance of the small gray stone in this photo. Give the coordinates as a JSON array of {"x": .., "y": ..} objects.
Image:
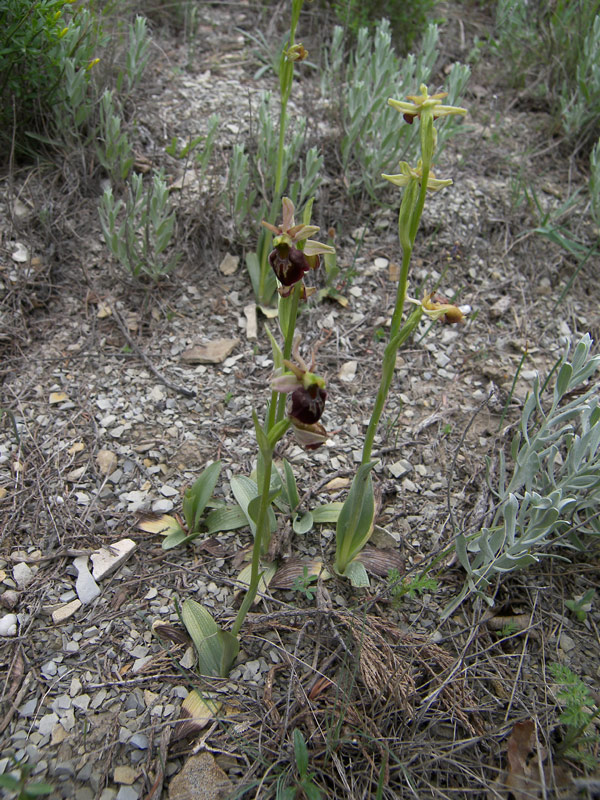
[
  {"x": 47, "y": 723},
  {"x": 82, "y": 701},
  {"x": 128, "y": 793},
  {"x": 86, "y": 587},
  {"x": 84, "y": 773},
  {"x": 28, "y": 709},
  {"x": 139, "y": 740},
  {"x": 162, "y": 506},
  {"x": 64, "y": 769},
  {"x": 9, "y": 624}
]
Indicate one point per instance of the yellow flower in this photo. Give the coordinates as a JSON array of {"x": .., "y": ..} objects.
[
  {"x": 408, "y": 174},
  {"x": 437, "y": 307},
  {"x": 416, "y": 104}
]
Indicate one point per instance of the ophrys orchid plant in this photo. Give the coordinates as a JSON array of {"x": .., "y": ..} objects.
[{"x": 356, "y": 520}]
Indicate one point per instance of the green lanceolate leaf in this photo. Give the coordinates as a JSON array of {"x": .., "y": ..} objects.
[
  {"x": 327, "y": 513},
  {"x": 254, "y": 507},
  {"x": 278, "y": 431},
  {"x": 245, "y": 490},
  {"x": 300, "y": 753},
  {"x": 276, "y": 350},
  {"x": 285, "y": 309},
  {"x": 290, "y": 485},
  {"x": 198, "y": 495},
  {"x": 253, "y": 267},
  {"x": 225, "y": 519},
  {"x": 216, "y": 648},
  {"x": 303, "y": 524},
  {"x": 355, "y": 522},
  {"x": 178, "y": 538},
  {"x": 261, "y": 437},
  {"x": 357, "y": 574}
]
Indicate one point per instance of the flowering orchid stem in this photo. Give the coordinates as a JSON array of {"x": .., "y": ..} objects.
[
  {"x": 409, "y": 218},
  {"x": 286, "y": 77},
  {"x": 398, "y": 334}
]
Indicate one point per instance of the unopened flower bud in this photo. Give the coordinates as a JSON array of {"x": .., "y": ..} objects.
[{"x": 297, "y": 52}]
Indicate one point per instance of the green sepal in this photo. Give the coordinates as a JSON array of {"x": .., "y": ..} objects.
[{"x": 198, "y": 495}]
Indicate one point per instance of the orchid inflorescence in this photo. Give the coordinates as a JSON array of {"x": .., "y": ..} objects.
[
  {"x": 294, "y": 254},
  {"x": 308, "y": 397}
]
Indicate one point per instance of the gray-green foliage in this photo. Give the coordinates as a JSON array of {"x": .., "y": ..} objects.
[
  {"x": 359, "y": 86},
  {"x": 580, "y": 99},
  {"x": 594, "y": 184},
  {"x": 300, "y": 170},
  {"x": 555, "y": 49},
  {"x": 138, "y": 230},
  {"x": 549, "y": 493},
  {"x": 112, "y": 145}
]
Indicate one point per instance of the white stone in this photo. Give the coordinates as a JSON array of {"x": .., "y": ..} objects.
[
  {"x": 162, "y": 506},
  {"x": 82, "y": 701},
  {"x": 22, "y": 574},
  {"x": 64, "y": 612},
  {"x": 105, "y": 561},
  {"x": 8, "y": 625},
  {"x": 86, "y": 587},
  {"x": 106, "y": 461},
  {"x": 347, "y": 372},
  {"x": 47, "y": 723}
]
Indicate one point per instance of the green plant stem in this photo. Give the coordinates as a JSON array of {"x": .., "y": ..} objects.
[
  {"x": 387, "y": 374},
  {"x": 398, "y": 334},
  {"x": 409, "y": 217},
  {"x": 260, "y": 539},
  {"x": 286, "y": 77}
]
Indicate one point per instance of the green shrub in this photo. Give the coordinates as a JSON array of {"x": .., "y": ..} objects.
[
  {"x": 554, "y": 48},
  {"x": 408, "y": 19},
  {"x": 47, "y": 51}
]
